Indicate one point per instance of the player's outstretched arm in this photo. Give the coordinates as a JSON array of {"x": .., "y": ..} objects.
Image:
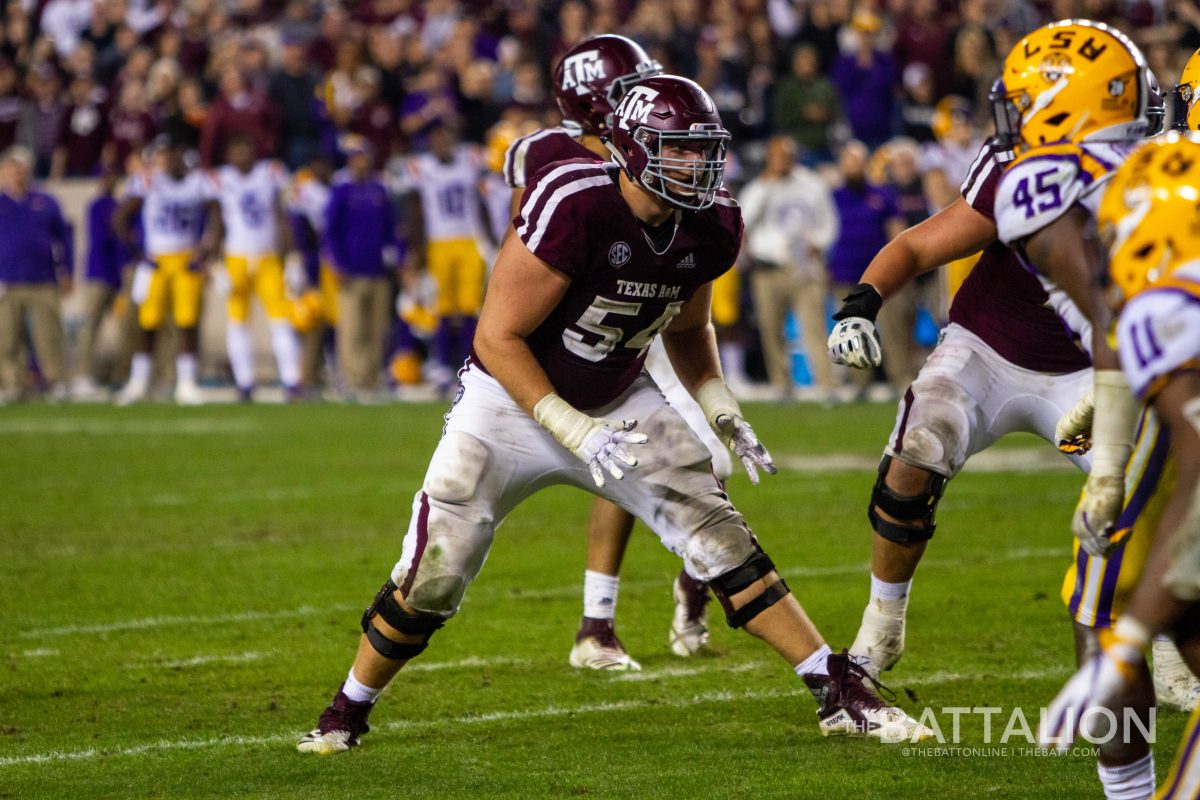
[
  {"x": 522, "y": 292},
  {"x": 691, "y": 347},
  {"x": 955, "y": 232}
]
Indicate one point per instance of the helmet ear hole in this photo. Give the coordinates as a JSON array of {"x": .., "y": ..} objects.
[{"x": 1057, "y": 119}]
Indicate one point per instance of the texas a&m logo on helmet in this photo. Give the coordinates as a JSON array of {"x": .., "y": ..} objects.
[
  {"x": 594, "y": 75},
  {"x": 635, "y": 107}
]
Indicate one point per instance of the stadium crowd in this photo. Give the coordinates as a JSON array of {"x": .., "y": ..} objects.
[{"x": 850, "y": 121}]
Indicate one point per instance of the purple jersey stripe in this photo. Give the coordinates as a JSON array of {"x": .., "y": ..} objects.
[
  {"x": 1148, "y": 483},
  {"x": 1184, "y": 757},
  {"x": 1108, "y": 588},
  {"x": 1081, "y": 559}
]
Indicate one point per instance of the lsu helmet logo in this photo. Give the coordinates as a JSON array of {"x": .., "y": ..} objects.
[
  {"x": 1056, "y": 66},
  {"x": 635, "y": 107},
  {"x": 581, "y": 69}
]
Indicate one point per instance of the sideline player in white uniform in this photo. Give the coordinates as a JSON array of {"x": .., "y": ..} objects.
[
  {"x": 446, "y": 220},
  {"x": 256, "y": 238},
  {"x": 555, "y": 394},
  {"x": 1148, "y": 219},
  {"x": 179, "y": 216},
  {"x": 589, "y": 81}
]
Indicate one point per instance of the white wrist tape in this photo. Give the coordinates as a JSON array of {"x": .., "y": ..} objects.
[
  {"x": 566, "y": 423},
  {"x": 1133, "y": 636},
  {"x": 1114, "y": 423},
  {"x": 717, "y": 401}
]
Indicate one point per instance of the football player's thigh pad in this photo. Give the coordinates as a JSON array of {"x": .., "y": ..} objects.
[
  {"x": 939, "y": 428},
  {"x": 456, "y": 468}
]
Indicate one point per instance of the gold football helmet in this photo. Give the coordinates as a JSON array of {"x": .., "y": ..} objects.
[
  {"x": 1149, "y": 216},
  {"x": 1187, "y": 92},
  {"x": 1074, "y": 81}
]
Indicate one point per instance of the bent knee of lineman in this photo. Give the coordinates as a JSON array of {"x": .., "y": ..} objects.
[
  {"x": 452, "y": 529},
  {"x": 904, "y": 517},
  {"x": 757, "y": 568}
]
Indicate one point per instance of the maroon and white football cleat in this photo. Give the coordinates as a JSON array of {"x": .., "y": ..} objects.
[
  {"x": 339, "y": 728},
  {"x": 850, "y": 708},
  {"x": 597, "y": 647},
  {"x": 689, "y": 626}
]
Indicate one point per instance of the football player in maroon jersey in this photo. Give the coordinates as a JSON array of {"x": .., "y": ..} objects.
[
  {"x": 589, "y": 82},
  {"x": 606, "y": 257}
]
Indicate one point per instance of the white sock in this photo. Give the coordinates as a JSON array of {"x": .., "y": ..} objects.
[
  {"x": 140, "y": 367},
  {"x": 241, "y": 357},
  {"x": 600, "y": 595},
  {"x": 1131, "y": 782},
  {"x": 287, "y": 353},
  {"x": 359, "y": 692},
  {"x": 816, "y": 663},
  {"x": 890, "y": 592},
  {"x": 185, "y": 368}
]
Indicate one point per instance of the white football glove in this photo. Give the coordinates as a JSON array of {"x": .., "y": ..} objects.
[
  {"x": 1073, "y": 433},
  {"x": 599, "y": 443},
  {"x": 1113, "y": 424},
  {"x": 855, "y": 343},
  {"x": 139, "y": 287},
  {"x": 1101, "y": 679},
  {"x": 724, "y": 414}
]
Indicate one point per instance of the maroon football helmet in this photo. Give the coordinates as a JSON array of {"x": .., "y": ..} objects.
[
  {"x": 594, "y": 75},
  {"x": 668, "y": 137}
]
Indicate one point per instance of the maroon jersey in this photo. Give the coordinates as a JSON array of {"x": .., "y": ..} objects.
[
  {"x": 1003, "y": 303},
  {"x": 624, "y": 290},
  {"x": 526, "y": 156}
]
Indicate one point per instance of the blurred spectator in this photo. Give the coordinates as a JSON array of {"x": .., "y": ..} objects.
[
  {"x": 83, "y": 133},
  {"x": 820, "y": 30},
  {"x": 11, "y": 104},
  {"x": 373, "y": 119},
  {"x": 790, "y": 223},
  {"x": 917, "y": 104},
  {"x": 975, "y": 67},
  {"x": 35, "y": 259},
  {"x": 131, "y": 126},
  {"x": 106, "y": 257},
  {"x": 946, "y": 160},
  {"x": 292, "y": 88},
  {"x": 41, "y": 118},
  {"x": 866, "y": 81},
  {"x": 869, "y": 218},
  {"x": 239, "y": 109},
  {"x": 922, "y": 37},
  {"x": 806, "y": 106},
  {"x": 359, "y": 228},
  {"x": 64, "y": 21}
]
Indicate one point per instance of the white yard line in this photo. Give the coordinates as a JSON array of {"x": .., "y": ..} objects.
[
  {"x": 516, "y": 715},
  {"x": 144, "y": 623}
]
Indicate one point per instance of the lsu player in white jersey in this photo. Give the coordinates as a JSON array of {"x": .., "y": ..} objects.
[
  {"x": 589, "y": 82},
  {"x": 179, "y": 217},
  {"x": 256, "y": 238},
  {"x": 311, "y": 281},
  {"x": 1073, "y": 99},
  {"x": 1149, "y": 222},
  {"x": 446, "y": 219}
]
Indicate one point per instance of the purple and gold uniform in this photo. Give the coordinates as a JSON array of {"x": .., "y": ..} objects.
[{"x": 623, "y": 290}]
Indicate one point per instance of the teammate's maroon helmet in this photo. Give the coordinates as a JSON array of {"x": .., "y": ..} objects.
[
  {"x": 670, "y": 112},
  {"x": 594, "y": 75}
]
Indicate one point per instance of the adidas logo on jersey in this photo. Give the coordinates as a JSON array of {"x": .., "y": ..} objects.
[{"x": 687, "y": 262}]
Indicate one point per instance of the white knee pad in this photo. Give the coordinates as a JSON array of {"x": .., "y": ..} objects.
[
  {"x": 456, "y": 468},
  {"x": 938, "y": 431}
]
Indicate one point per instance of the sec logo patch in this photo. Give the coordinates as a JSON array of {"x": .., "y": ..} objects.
[{"x": 618, "y": 254}]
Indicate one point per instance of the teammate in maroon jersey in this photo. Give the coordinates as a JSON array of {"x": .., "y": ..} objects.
[
  {"x": 605, "y": 256},
  {"x": 1005, "y": 363},
  {"x": 589, "y": 81}
]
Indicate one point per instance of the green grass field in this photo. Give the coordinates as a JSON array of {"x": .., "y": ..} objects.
[{"x": 180, "y": 592}]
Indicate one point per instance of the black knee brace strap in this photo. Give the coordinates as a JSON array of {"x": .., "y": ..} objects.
[
  {"x": 385, "y": 605},
  {"x": 739, "y": 578},
  {"x": 912, "y": 509}
]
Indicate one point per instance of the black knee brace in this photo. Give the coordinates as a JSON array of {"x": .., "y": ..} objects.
[
  {"x": 726, "y": 586},
  {"x": 385, "y": 605},
  {"x": 918, "y": 507}
]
